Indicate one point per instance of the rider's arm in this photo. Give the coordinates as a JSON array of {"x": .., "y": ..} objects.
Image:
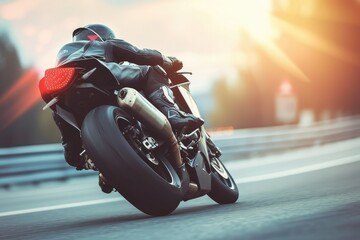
[{"x": 120, "y": 50}]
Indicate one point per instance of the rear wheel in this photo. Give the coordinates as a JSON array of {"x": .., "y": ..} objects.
[
  {"x": 223, "y": 187},
  {"x": 147, "y": 180}
]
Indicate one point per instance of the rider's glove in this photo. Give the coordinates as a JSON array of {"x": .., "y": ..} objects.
[
  {"x": 171, "y": 64},
  {"x": 176, "y": 64}
]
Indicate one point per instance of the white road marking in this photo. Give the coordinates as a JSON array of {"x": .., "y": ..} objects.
[
  {"x": 296, "y": 171},
  {"x": 300, "y": 170},
  {"x": 62, "y": 206}
]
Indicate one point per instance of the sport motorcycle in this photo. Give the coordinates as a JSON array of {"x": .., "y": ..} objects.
[{"x": 131, "y": 143}]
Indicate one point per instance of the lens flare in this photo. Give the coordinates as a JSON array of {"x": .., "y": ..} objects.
[
  {"x": 313, "y": 40},
  {"x": 283, "y": 60},
  {"x": 22, "y": 96}
]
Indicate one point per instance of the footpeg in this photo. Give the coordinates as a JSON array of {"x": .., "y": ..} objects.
[{"x": 88, "y": 164}]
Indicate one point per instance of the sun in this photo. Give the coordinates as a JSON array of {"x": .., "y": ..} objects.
[{"x": 252, "y": 16}]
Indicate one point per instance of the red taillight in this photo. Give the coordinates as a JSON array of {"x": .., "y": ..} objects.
[{"x": 55, "y": 80}]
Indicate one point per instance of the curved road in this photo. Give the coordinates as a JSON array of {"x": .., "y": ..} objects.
[{"x": 305, "y": 194}]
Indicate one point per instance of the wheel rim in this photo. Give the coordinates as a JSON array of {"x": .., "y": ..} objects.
[
  {"x": 221, "y": 173},
  {"x": 160, "y": 165},
  {"x": 219, "y": 168}
]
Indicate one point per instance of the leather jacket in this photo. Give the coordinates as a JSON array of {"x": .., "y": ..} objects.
[
  {"x": 110, "y": 51},
  {"x": 110, "y": 54}
]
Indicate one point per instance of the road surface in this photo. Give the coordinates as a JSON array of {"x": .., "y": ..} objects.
[{"x": 311, "y": 193}]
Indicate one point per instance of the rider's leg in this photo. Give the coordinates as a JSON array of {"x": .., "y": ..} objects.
[
  {"x": 70, "y": 139},
  {"x": 160, "y": 95},
  {"x": 155, "y": 84}
]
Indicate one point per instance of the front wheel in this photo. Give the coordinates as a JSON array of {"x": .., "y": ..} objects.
[{"x": 223, "y": 187}]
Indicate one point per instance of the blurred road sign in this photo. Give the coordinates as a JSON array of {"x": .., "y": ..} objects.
[{"x": 285, "y": 103}]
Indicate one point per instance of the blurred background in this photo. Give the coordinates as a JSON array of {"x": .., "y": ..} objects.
[{"x": 255, "y": 63}]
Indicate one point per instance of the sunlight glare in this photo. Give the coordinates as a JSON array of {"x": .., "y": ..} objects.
[
  {"x": 253, "y": 16},
  {"x": 20, "y": 97},
  {"x": 313, "y": 40}
]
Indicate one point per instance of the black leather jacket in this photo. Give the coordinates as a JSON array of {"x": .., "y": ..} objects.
[
  {"x": 109, "y": 54},
  {"x": 110, "y": 51}
]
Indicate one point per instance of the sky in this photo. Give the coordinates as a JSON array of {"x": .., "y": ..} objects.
[{"x": 204, "y": 34}]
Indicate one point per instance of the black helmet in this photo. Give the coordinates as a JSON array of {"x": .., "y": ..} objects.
[{"x": 93, "y": 32}]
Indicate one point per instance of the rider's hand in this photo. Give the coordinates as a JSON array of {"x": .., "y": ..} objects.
[
  {"x": 176, "y": 64},
  {"x": 171, "y": 64}
]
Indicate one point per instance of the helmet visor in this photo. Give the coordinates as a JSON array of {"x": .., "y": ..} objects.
[{"x": 84, "y": 33}]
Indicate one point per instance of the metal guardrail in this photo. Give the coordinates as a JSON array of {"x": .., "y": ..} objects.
[
  {"x": 35, "y": 164},
  {"x": 40, "y": 163},
  {"x": 254, "y": 142}
]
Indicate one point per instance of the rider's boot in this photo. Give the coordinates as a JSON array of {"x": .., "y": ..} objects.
[
  {"x": 163, "y": 99},
  {"x": 105, "y": 186},
  {"x": 184, "y": 177}
]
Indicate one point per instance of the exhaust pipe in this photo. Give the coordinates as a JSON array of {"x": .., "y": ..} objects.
[{"x": 146, "y": 113}]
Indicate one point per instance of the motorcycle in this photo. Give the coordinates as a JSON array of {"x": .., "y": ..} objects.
[{"x": 131, "y": 143}]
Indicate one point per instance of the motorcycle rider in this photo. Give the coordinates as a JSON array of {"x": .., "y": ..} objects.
[{"x": 145, "y": 74}]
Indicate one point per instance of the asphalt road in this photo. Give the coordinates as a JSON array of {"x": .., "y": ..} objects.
[{"x": 311, "y": 193}]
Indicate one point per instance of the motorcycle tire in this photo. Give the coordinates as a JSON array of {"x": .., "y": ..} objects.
[
  {"x": 223, "y": 187},
  {"x": 127, "y": 172}
]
